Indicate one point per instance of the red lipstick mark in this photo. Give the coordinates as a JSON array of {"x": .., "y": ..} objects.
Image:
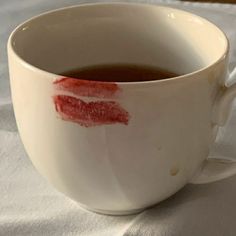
[
  {"x": 91, "y": 113},
  {"x": 87, "y": 88},
  {"x": 88, "y": 114}
]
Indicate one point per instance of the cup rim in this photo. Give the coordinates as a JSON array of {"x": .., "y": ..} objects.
[{"x": 51, "y": 74}]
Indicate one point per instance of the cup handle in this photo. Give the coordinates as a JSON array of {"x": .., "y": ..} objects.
[{"x": 214, "y": 169}]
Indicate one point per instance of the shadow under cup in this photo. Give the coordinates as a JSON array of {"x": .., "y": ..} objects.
[{"x": 88, "y": 35}]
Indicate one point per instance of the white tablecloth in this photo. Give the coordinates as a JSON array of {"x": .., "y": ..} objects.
[{"x": 29, "y": 205}]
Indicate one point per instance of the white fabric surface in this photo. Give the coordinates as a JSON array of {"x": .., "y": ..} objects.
[{"x": 30, "y": 206}]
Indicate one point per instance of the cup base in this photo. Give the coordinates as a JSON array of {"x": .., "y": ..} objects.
[{"x": 112, "y": 213}]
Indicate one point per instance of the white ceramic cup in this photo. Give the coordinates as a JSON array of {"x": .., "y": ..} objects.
[{"x": 117, "y": 148}]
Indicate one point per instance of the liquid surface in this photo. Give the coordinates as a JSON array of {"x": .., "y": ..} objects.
[{"x": 119, "y": 73}]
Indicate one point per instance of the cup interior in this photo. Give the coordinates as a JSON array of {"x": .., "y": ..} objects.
[{"x": 81, "y": 36}]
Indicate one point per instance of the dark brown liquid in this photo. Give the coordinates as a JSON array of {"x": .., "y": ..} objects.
[{"x": 120, "y": 73}]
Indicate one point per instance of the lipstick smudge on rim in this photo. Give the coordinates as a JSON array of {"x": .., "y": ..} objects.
[{"x": 92, "y": 113}]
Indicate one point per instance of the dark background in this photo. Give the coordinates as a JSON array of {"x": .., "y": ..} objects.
[{"x": 219, "y": 1}]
